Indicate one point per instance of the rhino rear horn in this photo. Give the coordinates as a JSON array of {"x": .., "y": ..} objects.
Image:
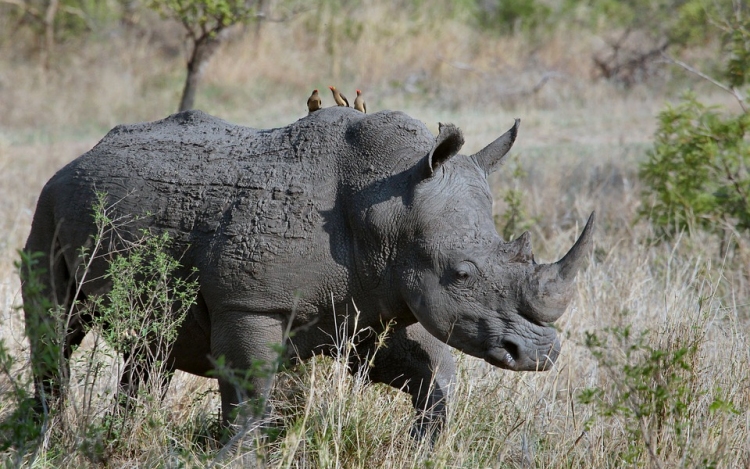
[
  {"x": 521, "y": 249},
  {"x": 447, "y": 144},
  {"x": 491, "y": 157}
]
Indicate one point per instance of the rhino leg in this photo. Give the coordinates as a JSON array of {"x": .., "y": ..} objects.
[
  {"x": 416, "y": 362},
  {"x": 50, "y": 374},
  {"x": 139, "y": 365},
  {"x": 54, "y": 324},
  {"x": 246, "y": 347}
]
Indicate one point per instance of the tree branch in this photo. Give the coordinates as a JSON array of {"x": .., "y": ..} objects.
[
  {"x": 740, "y": 99},
  {"x": 79, "y": 13},
  {"x": 27, "y": 9}
]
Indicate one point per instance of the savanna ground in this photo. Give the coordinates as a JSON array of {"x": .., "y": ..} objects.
[{"x": 655, "y": 364}]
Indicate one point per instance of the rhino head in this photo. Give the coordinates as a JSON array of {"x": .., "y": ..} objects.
[{"x": 460, "y": 280}]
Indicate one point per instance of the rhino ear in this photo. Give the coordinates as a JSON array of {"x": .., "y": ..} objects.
[
  {"x": 447, "y": 144},
  {"x": 491, "y": 157}
]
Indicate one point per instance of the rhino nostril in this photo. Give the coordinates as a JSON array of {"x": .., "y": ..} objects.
[{"x": 512, "y": 348}]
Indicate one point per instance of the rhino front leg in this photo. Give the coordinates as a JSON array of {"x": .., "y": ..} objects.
[
  {"x": 247, "y": 349},
  {"x": 418, "y": 363}
]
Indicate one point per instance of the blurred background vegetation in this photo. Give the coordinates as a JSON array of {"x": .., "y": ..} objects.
[
  {"x": 83, "y": 66},
  {"x": 445, "y": 53}
]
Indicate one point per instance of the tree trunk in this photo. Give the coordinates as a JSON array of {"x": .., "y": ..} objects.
[
  {"x": 49, "y": 32},
  {"x": 203, "y": 49}
]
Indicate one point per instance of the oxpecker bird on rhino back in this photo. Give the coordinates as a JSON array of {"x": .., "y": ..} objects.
[{"x": 287, "y": 228}]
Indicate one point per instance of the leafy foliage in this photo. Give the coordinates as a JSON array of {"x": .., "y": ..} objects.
[
  {"x": 19, "y": 429},
  {"x": 139, "y": 317},
  {"x": 509, "y": 16},
  {"x": 652, "y": 388},
  {"x": 205, "y": 17},
  {"x": 144, "y": 291},
  {"x": 697, "y": 171},
  {"x": 736, "y": 43},
  {"x": 515, "y": 219},
  {"x": 148, "y": 299}
]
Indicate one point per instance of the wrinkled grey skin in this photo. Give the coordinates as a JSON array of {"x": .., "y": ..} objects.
[{"x": 292, "y": 224}]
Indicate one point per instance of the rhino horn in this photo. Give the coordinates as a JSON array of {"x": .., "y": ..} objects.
[
  {"x": 447, "y": 144},
  {"x": 520, "y": 249},
  {"x": 549, "y": 291},
  {"x": 491, "y": 157},
  {"x": 572, "y": 261}
]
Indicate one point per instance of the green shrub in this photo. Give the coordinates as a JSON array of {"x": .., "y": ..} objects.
[
  {"x": 19, "y": 430},
  {"x": 510, "y": 16},
  {"x": 139, "y": 317},
  {"x": 653, "y": 392},
  {"x": 515, "y": 219},
  {"x": 736, "y": 42},
  {"x": 696, "y": 175}
]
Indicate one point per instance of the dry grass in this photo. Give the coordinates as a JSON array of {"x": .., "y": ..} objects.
[{"x": 579, "y": 145}]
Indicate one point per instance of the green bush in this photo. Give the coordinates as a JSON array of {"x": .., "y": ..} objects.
[
  {"x": 696, "y": 175},
  {"x": 19, "y": 430},
  {"x": 736, "y": 44},
  {"x": 653, "y": 391},
  {"x": 510, "y": 16},
  {"x": 139, "y": 317},
  {"x": 515, "y": 219}
]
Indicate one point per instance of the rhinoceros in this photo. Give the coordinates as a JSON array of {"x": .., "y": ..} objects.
[{"x": 288, "y": 228}]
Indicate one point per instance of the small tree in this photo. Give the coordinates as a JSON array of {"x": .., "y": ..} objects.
[{"x": 206, "y": 23}]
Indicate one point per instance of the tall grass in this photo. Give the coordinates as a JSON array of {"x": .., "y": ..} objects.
[{"x": 578, "y": 146}]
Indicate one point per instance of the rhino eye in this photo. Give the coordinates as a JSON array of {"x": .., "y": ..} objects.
[{"x": 465, "y": 271}]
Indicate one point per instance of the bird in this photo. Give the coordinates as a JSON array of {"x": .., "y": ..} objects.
[
  {"x": 338, "y": 97},
  {"x": 314, "y": 102},
  {"x": 359, "y": 103}
]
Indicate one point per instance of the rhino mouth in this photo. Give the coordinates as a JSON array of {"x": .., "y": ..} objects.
[
  {"x": 500, "y": 358},
  {"x": 509, "y": 356}
]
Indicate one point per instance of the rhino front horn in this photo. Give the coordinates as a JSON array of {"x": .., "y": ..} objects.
[
  {"x": 550, "y": 290},
  {"x": 572, "y": 261}
]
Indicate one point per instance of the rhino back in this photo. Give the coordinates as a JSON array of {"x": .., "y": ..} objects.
[
  {"x": 260, "y": 213},
  {"x": 242, "y": 202}
]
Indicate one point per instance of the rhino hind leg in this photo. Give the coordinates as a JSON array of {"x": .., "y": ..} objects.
[
  {"x": 48, "y": 291},
  {"x": 416, "y": 362},
  {"x": 157, "y": 359},
  {"x": 246, "y": 347}
]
